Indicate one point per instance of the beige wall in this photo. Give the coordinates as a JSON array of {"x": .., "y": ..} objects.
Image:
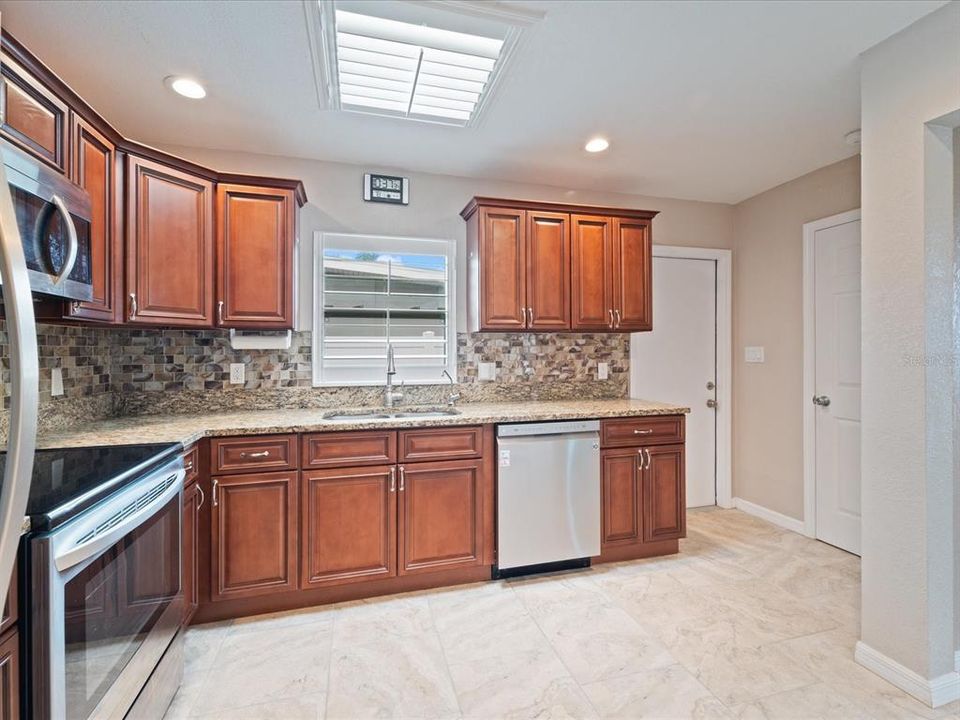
[
  {"x": 910, "y": 83},
  {"x": 768, "y": 311}
]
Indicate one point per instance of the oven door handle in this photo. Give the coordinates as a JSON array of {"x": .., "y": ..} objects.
[{"x": 70, "y": 550}]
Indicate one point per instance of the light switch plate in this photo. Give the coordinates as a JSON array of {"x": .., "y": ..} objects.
[
  {"x": 603, "y": 371},
  {"x": 753, "y": 354},
  {"x": 56, "y": 382},
  {"x": 486, "y": 371},
  {"x": 238, "y": 374}
]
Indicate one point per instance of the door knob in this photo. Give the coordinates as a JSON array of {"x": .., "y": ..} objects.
[
  {"x": 711, "y": 385},
  {"x": 712, "y": 404},
  {"x": 821, "y": 400}
]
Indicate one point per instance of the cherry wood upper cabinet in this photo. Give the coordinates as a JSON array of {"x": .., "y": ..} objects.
[
  {"x": 256, "y": 256},
  {"x": 31, "y": 115},
  {"x": 497, "y": 249},
  {"x": 254, "y": 530},
  {"x": 548, "y": 270},
  {"x": 95, "y": 169},
  {"x": 664, "y": 497},
  {"x": 169, "y": 246},
  {"x": 441, "y": 515},
  {"x": 632, "y": 275},
  {"x": 592, "y": 264},
  {"x": 349, "y": 525},
  {"x": 557, "y": 267}
]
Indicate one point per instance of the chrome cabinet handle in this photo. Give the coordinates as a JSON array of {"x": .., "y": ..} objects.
[
  {"x": 610, "y": 324},
  {"x": 72, "y": 243},
  {"x": 529, "y": 317},
  {"x": 202, "y": 497},
  {"x": 220, "y": 312},
  {"x": 402, "y": 478},
  {"x": 616, "y": 322},
  {"x": 188, "y": 465},
  {"x": 393, "y": 479},
  {"x": 646, "y": 452},
  {"x": 648, "y": 431},
  {"x": 821, "y": 400},
  {"x": 639, "y": 463},
  {"x": 133, "y": 305},
  {"x": 216, "y": 495},
  {"x": 261, "y": 454}
]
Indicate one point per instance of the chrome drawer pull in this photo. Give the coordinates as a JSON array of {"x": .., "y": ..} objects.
[
  {"x": 261, "y": 454},
  {"x": 216, "y": 496},
  {"x": 643, "y": 432},
  {"x": 202, "y": 497}
]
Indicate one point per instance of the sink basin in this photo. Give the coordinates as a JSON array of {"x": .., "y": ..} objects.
[{"x": 384, "y": 414}]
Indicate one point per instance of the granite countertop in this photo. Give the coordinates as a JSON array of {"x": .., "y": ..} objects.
[{"x": 187, "y": 429}]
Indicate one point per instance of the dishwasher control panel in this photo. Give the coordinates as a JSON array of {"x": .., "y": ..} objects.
[{"x": 563, "y": 427}]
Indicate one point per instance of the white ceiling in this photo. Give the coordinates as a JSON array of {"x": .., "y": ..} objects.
[{"x": 701, "y": 100}]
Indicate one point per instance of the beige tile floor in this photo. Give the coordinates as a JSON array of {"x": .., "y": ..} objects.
[{"x": 748, "y": 621}]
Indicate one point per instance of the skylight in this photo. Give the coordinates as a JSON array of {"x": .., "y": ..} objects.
[{"x": 396, "y": 68}]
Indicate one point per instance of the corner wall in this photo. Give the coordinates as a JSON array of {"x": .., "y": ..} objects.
[{"x": 768, "y": 311}]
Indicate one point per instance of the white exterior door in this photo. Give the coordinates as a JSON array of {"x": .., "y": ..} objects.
[
  {"x": 677, "y": 361},
  {"x": 837, "y": 383}
]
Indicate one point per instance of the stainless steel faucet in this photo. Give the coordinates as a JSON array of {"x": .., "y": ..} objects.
[
  {"x": 390, "y": 396},
  {"x": 453, "y": 396}
]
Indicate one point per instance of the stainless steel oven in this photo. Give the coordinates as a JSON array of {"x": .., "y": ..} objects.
[
  {"x": 53, "y": 217},
  {"x": 107, "y": 599}
]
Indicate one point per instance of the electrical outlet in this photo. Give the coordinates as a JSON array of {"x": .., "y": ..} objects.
[
  {"x": 486, "y": 371},
  {"x": 56, "y": 382},
  {"x": 238, "y": 373},
  {"x": 603, "y": 371}
]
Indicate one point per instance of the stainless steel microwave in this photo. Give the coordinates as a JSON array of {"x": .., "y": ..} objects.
[{"x": 53, "y": 216}]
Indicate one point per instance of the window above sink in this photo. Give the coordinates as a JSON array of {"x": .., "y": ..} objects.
[{"x": 372, "y": 291}]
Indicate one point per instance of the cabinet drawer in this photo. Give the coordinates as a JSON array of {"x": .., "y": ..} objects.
[
  {"x": 275, "y": 452},
  {"x": 655, "y": 430},
  {"x": 191, "y": 464},
  {"x": 343, "y": 449},
  {"x": 441, "y": 444}
]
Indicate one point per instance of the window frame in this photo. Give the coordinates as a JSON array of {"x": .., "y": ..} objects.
[{"x": 390, "y": 244}]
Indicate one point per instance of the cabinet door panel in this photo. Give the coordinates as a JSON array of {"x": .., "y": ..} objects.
[
  {"x": 621, "y": 522},
  {"x": 254, "y": 529},
  {"x": 95, "y": 170},
  {"x": 503, "y": 276},
  {"x": 32, "y": 116},
  {"x": 632, "y": 275},
  {"x": 170, "y": 246},
  {"x": 441, "y": 516},
  {"x": 256, "y": 236},
  {"x": 9, "y": 615},
  {"x": 592, "y": 265},
  {"x": 349, "y": 525},
  {"x": 548, "y": 270},
  {"x": 664, "y": 503},
  {"x": 10, "y": 677},
  {"x": 191, "y": 508}
]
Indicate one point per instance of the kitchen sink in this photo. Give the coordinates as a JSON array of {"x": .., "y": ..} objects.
[{"x": 384, "y": 414}]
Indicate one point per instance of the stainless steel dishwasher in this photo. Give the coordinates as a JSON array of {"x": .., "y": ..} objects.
[{"x": 548, "y": 495}]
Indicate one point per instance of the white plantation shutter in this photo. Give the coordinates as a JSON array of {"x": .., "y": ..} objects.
[{"x": 373, "y": 291}]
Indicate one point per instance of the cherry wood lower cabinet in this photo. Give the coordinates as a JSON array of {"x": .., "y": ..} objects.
[
  {"x": 348, "y": 531},
  {"x": 643, "y": 498},
  {"x": 254, "y": 531},
  {"x": 441, "y": 516},
  {"x": 10, "y": 676}
]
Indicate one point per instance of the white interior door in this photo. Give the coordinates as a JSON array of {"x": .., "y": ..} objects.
[
  {"x": 837, "y": 383},
  {"x": 677, "y": 361}
]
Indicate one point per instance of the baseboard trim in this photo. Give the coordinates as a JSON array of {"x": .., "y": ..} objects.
[
  {"x": 784, "y": 521},
  {"x": 935, "y": 692}
]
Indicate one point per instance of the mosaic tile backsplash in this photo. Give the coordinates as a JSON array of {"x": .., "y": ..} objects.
[{"x": 118, "y": 371}]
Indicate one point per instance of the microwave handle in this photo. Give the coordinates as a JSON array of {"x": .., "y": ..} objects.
[
  {"x": 24, "y": 384},
  {"x": 72, "y": 244}
]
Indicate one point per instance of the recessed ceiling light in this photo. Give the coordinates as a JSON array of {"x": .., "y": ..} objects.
[
  {"x": 597, "y": 144},
  {"x": 186, "y": 87}
]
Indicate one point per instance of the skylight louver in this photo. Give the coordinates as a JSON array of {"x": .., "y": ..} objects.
[{"x": 413, "y": 71}]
